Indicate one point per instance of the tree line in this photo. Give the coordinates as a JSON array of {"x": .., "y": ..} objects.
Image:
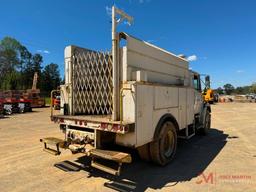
[
  {"x": 18, "y": 65},
  {"x": 230, "y": 89}
]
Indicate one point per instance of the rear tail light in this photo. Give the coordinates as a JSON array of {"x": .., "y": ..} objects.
[
  {"x": 113, "y": 127},
  {"x": 116, "y": 127},
  {"x": 104, "y": 126}
]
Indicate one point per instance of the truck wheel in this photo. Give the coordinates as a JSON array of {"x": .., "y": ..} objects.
[
  {"x": 144, "y": 152},
  {"x": 8, "y": 112},
  {"x": 207, "y": 123},
  {"x": 163, "y": 149}
]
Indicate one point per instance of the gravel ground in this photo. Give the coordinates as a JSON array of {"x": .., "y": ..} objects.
[{"x": 224, "y": 160}]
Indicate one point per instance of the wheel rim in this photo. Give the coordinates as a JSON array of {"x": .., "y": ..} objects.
[{"x": 168, "y": 144}]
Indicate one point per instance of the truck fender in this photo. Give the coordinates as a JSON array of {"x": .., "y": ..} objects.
[{"x": 163, "y": 119}]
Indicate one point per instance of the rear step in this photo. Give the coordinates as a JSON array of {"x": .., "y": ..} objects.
[
  {"x": 116, "y": 156},
  {"x": 53, "y": 141}
]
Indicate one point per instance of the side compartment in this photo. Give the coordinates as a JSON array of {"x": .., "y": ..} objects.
[
  {"x": 190, "y": 105},
  {"x": 128, "y": 114},
  {"x": 144, "y": 113},
  {"x": 182, "y": 108},
  {"x": 146, "y": 105}
]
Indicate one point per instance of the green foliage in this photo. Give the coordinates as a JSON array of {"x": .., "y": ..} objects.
[
  {"x": 51, "y": 77},
  {"x": 228, "y": 88},
  {"x": 242, "y": 90},
  {"x": 11, "y": 80},
  {"x": 219, "y": 90},
  {"x": 9, "y": 55},
  {"x": 253, "y": 88},
  {"x": 47, "y": 100},
  {"x": 18, "y": 65}
]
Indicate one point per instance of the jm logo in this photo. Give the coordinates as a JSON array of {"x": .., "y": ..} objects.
[{"x": 205, "y": 178}]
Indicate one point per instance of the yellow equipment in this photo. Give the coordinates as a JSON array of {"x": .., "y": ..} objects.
[
  {"x": 208, "y": 93},
  {"x": 208, "y": 96}
]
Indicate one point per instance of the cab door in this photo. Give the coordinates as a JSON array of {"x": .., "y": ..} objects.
[{"x": 198, "y": 93}]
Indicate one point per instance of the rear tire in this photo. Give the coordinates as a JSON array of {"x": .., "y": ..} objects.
[
  {"x": 207, "y": 123},
  {"x": 144, "y": 152},
  {"x": 163, "y": 149}
]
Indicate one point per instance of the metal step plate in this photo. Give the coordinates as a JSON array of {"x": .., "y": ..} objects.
[
  {"x": 112, "y": 155},
  {"x": 52, "y": 140}
]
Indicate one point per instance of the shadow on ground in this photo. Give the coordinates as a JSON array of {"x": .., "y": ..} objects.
[{"x": 192, "y": 158}]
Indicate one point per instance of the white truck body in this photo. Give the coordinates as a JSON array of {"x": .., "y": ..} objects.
[
  {"x": 154, "y": 82},
  {"x": 138, "y": 96}
]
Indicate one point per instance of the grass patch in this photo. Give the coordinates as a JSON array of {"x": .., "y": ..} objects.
[{"x": 47, "y": 100}]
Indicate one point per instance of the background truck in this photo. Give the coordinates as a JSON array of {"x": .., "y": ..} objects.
[
  {"x": 1, "y": 107},
  {"x": 10, "y": 101},
  {"x": 13, "y": 102},
  {"x": 138, "y": 96}
]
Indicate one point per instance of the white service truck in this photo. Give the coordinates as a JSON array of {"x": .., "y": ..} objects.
[{"x": 138, "y": 96}]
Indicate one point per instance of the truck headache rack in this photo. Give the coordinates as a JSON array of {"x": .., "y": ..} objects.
[{"x": 92, "y": 82}]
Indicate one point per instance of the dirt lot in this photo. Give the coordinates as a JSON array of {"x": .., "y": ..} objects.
[{"x": 226, "y": 158}]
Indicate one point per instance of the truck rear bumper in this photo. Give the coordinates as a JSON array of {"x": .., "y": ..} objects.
[
  {"x": 99, "y": 122},
  {"x": 115, "y": 156}
]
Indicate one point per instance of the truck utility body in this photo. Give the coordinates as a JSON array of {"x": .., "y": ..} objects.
[{"x": 139, "y": 96}]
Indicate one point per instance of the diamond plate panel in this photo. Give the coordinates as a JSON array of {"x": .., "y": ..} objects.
[{"x": 92, "y": 82}]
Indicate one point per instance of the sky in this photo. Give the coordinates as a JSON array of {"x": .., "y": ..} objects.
[{"x": 218, "y": 36}]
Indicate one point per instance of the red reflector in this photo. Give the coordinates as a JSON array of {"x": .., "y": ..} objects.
[
  {"x": 104, "y": 126},
  {"x": 116, "y": 127},
  {"x": 61, "y": 120}
]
